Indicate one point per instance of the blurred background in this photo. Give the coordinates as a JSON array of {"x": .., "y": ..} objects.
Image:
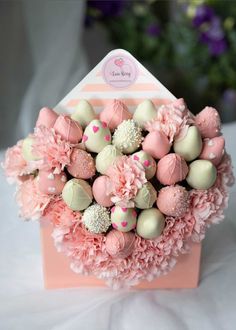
[{"x": 47, "y": 47}]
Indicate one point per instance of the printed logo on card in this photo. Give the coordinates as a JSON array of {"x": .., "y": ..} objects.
[{"x": 120, "y": 71}]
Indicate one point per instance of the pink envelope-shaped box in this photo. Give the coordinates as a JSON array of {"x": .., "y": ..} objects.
[{"x": 118, "y": 76}]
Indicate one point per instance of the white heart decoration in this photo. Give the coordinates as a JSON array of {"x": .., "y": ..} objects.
[{"x": 51, "y": 176}]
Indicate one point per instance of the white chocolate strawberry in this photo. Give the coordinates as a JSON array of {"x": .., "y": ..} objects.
[
  {"x": 147, "y": 161},
  {"x": 84, "y": 113},
  {"x": 144, "y": 112},
  {"x": 96, "y": 136},
  {"x": 123, "y": 219}
]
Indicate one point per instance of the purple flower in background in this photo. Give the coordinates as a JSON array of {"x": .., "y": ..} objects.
[
  {"x": 214, "y": 30},
  {"x": 203, "y": 14},
  {"x": 214, "y": 37},
  {"x": 98, "y": 10},
  {"x": 218, "y": 47},
  {"x": 109, "y": 8},
  {"x": 229, "y": 96},
  {"x": 211, "y": 33},
  {"x": 153, "y": 30}
]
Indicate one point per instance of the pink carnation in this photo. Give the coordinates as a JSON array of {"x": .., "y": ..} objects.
[
  {"x": 31, "y": 201},
  {"x": 86, "y": 249},
  {"x": 207, "y": 207},
  {"x": 54, "y": 151},
  {"x": 225, "y": 171},
  {"x": 172, "y": 119},
  {"x": 60, "y": 214},
  {"x": 16, "y": 168},
  {"x": 126, "y": 177}
]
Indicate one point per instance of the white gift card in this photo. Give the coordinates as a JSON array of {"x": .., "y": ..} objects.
[{"x": 118, "y": 76}]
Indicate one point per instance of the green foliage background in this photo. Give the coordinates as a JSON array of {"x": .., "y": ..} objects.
[{"x": 176, "y": 56}]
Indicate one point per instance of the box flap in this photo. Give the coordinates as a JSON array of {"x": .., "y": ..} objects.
[{"x": 119, "y": 75}]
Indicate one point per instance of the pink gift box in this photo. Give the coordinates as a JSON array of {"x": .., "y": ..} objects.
[
  {"x": 118, "y": 76},
  {"x": 57, "y": 272}
]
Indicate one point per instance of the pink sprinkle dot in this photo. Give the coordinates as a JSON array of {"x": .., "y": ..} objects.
[
  {"x": 124, "y": 223},
  {"x": 107, "y": 137},
  {"x": 104, "y": 125},
  {"x": 136, "y": 157},
  {"x": 114, "y": 225},
  {"x": 124, "y": 209}
]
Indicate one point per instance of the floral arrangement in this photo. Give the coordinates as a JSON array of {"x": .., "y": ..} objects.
[
  {"x": 189, "y": 45},
  {"x": 125, "y": 192}
]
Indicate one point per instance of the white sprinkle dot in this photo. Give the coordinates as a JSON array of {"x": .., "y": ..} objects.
[
  {"x": 63, "y": 178},
  {"x": 51, "y": 189},
  {"x": 51, "y": 176},
  {"x": 212, "y": 155}
]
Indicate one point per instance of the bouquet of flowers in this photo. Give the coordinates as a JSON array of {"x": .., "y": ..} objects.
[{"x": 124, "y": 192}]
